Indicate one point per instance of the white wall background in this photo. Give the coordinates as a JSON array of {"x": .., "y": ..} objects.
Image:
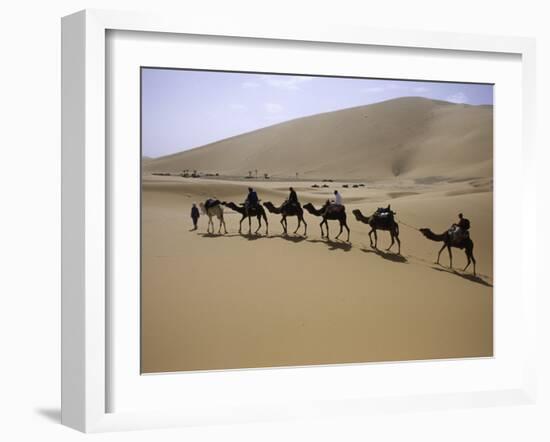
[{"x": 30, "y": 219}]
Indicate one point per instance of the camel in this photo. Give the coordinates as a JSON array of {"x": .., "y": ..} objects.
[
  {"x": 257, "y": 211},
  {"x": 214, "y": 211},
  {"x": 339, "y": 215},
  {"x": 288, "y": 210},
  {"x": 448, "y": 241},
  {"x": 380, "y": 223}
]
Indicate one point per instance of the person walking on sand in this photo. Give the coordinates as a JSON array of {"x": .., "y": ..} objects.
[{"x": 195, "y": 214}]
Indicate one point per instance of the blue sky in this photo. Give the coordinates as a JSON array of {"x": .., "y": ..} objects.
[{"x": 186, "y": 109}]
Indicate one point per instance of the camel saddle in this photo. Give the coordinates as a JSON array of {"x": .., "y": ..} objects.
[
  {"x": 385, "y": 215},
  {"x": 457, "y": 234},
  {"x": 335, "y": 208},
  {"x": 211, "y": 203}
]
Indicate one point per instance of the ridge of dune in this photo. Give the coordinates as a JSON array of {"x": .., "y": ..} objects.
[{"x": 410, "y": 137}]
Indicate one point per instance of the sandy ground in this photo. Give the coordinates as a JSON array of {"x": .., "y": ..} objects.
[{"x": 237, "y": 301}]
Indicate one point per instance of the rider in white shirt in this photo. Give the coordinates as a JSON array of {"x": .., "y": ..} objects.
[{"x": 337, "y": 198}]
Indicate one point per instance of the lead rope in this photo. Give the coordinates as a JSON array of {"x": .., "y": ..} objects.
[{"x": 408, "y": 225}]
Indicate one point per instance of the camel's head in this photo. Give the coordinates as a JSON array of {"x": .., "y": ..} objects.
[{"x": 427, "y": 233}]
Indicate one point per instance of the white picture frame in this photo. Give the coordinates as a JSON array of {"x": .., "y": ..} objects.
[{"x": 85, "y": 207}]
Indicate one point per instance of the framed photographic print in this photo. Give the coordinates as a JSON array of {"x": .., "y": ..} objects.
[{"x": 270, "y": 223}]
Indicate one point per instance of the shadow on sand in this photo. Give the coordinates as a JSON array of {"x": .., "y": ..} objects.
[
  {"x": 333, "y": 244},
  {"x": 253, "y": 236},
  {"x": 468, "y": 276},
  {"x": 394, "y": 257},
  {"x": 290, "y": 238},
  {"x": 217, "y": 235}
]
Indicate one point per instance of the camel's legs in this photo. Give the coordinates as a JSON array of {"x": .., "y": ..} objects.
[
  {"x": 283, "y": 224},
  {"x": 299, "y": 222},
  {"x": 341, "y": 229},
  {"x": 241, "y": 223},
  {"x": 375, "y": 239},
  {"x": 322, "y": 231},
  {"x": 398, "y": 244},
  {"x": 439, "y": 254},
  {"x": 249, "y": 225},
  {"x": 266, "y": 225},
  {"x": 470, "y": 256},
  {"x": 259, "y": 224},
  {"x": 305, "y": 226},
  {"x": 224, "y": 226},
  {"x": 370, "y": 237},
  {"x": 469, "y": 260},
  {"x": 392, "y": 241},
  {"x": 450, "y": 257},
  {"x": 347, "y": 228}
]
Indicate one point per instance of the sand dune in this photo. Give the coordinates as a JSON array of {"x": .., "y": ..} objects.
[
  {"x": 406, "y": 137},
  {"x": 235, "y": 301}
]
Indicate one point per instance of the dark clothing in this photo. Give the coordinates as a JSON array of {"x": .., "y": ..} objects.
[
  {"x": 464, "y": 224},
  {"x": 293, "y": 198},
  {"x": 195, "y": 214},
  {"x": 460, "y": 231},
  {"x": 252, "y": 199}
]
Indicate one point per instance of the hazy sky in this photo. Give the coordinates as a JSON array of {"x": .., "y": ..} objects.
[{"x": 185, "y": 109}]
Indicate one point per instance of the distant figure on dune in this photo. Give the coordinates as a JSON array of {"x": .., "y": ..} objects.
[
  {"x": 195, "y": 215},
  {"x": 213, "y": 208},
  {"x": 457, "y": 236}
]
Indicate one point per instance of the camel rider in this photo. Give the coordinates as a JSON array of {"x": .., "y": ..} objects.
[
  {"x": 336, "y": 204},
  {"x": 252, "y": 200},
  {"x": 337, "y": 198},
  {"x": 461, "y": 229},
  {"x": 293, "y": 198}
]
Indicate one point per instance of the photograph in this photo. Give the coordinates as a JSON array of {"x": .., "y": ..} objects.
[{"x": 292, "y": 220}]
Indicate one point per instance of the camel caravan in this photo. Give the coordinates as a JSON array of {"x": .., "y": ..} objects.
[{"x": 457, "y": 236}]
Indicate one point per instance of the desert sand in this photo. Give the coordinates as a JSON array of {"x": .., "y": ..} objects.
[{"x": 235, "y": 301}]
